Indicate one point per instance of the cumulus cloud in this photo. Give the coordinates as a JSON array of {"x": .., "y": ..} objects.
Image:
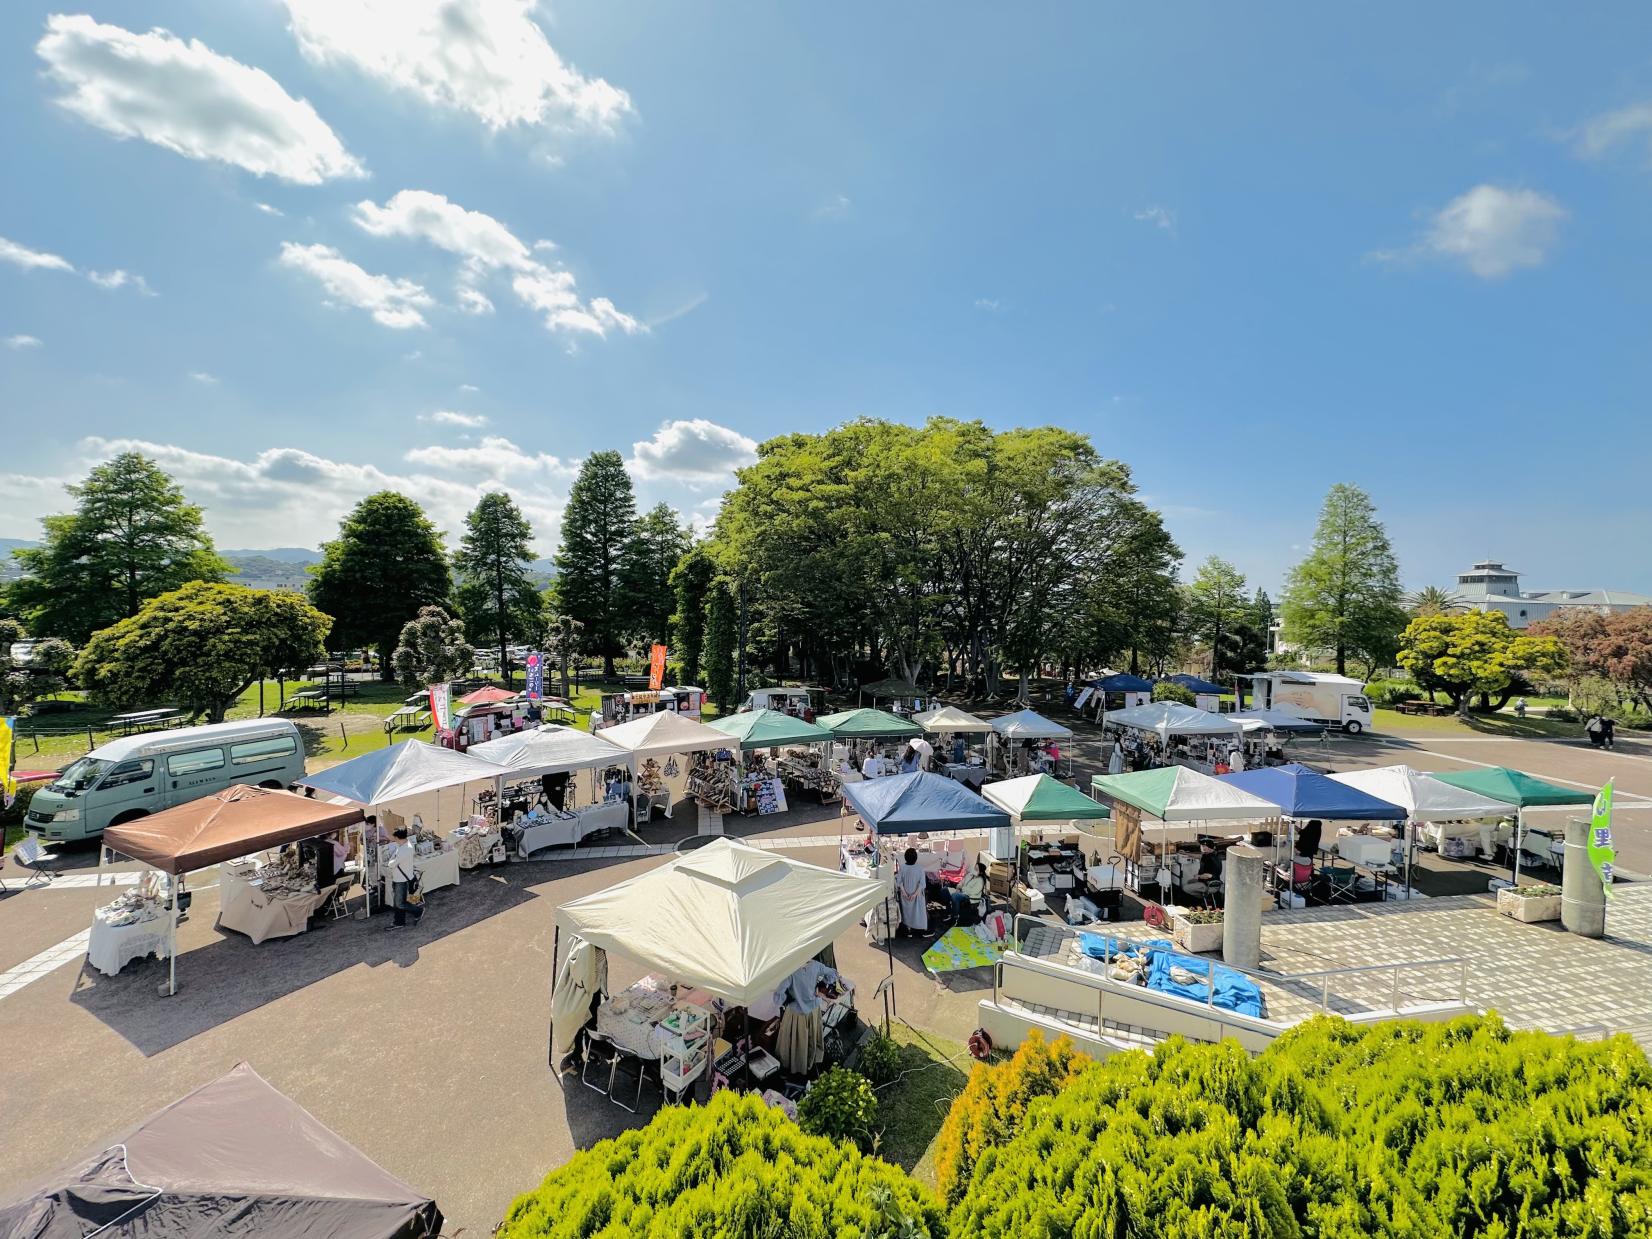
[
  {"x": 485, "y": 246},
  {"x": 32, "y": 260},
  {"x": 22, "y": 341},
  {"x": 391, "y": 302},
  {"x": 486, "y": 57},
  {"x": 204, "y": 378},
  {"x": 267, "y": 209},
  {"x": 449, "y": 417},
  {"x": 120, "y": 279},
  {"x": 696, "y": 453},
  {"x": 470, "y": 387},
  {"x": 189, "y": 99},
  {"x": 1491, "y": 230},
  {"x": 1602, "y": 134}
]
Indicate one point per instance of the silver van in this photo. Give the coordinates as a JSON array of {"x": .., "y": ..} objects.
[{"x": 138, "y": 775}]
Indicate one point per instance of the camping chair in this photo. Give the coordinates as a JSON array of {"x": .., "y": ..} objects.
[
  {"x": 30, "y": 857},
  {"x": 625, "y": 1060},
  {"x": 599, "y": 1052}
]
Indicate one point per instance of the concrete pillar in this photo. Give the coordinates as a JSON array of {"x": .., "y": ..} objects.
[
  {"x": 1243, "y": 883},
  {"x": 1582, "y": 897}
]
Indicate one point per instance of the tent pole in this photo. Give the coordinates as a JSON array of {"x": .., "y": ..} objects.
[
  {"x": 172, "y": 946},
  {"x": 1519, "y": 833},
  {"x": 1410, "y": 847},
  {"x": 550, "y": 1026}
]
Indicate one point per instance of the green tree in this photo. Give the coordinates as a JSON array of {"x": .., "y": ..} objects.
[
  {"x": 1169, "y": 690},
  {"x": 691, "y": 585},
  {"x": 560, "y": 638},
  {"x": 719, "y": 644},
  {"x": 26, "y": 680},
  {"x": 1477, "y": 652},
  {"x": 432, "y": 649},
  {"x": 596, "y": 526},
  {"x": 131, "y": 536},
  {"x": 1215, "y": 606},
  {"x": 1432, "y": 600},
  {"x": 1345, "y": 596},
  {"x": 386, "y": 563},
  {"x": 657, "y": 544},
  {"x": 201, "y": 646},
  {"x": 496, "y": 593}
]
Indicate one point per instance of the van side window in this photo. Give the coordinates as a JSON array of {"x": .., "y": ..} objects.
[
  {"x": 129, "y": 772},
  {"x": 249, "y": 751},
  {"x": 194, "y": 763}
]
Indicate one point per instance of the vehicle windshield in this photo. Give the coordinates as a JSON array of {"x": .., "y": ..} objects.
[
  {"x": 1359, "y": 703},
  {"x": 80, "y": 775}
]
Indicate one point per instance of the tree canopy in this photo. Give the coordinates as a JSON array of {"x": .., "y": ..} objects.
[
  {"x": 1215, "y": 608},
  {"x": 1475, "y": 653},
  {"x": 656, "y": 546},
  {"x": 431, "y": 649},
  {"x": 386, "y": 563},
  {"x": 496, "y": 594},
  {"x": 1345, "y": 596},
  {"x": 201, "y": 647},
  {"x": 132, "y": 536},
  {"x": 597, "y": 525}
]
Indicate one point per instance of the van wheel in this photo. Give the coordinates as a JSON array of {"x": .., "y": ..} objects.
[
  {"x": 273, "y": 785},
  {"x": 131, "y": 815},
  {"x": 1353, "y": 727}
]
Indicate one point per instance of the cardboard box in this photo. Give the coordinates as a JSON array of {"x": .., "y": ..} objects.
[{"x": 1026, "y": 899}]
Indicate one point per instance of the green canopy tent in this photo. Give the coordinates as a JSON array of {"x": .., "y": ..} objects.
[
  {"x": 1040, "y": 798},
  {"x": 769, "y": 729},
  {"x": 1519, "y": 789},
  {"x": 891, "y": 689},
  {"x": 868, "y": 724}
]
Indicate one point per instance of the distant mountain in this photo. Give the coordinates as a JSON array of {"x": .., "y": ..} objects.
[
  {"x": 285, "y": 554},
  {"x": 8, "y": 565},
  {"x": 261, "y": 570}
]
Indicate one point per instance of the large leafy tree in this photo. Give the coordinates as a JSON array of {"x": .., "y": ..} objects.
[
  {"x": 1476, "y": 653},
  {"x": 43, "y": 671},
  {"x": 657, "y": 544},
  {"x": 386, "y": 563},
  {"x": 1625, "y": 653},
  {"x": 496, "y": 593},
  {"x": 691, "y": 585},
  {"x": 1345, "y": 596},
  {"x": 597, "y": 525},
  {"x": 432, "y": 649},
  {"x": 201, "y": 646},
  {"x": 1434, "y": 600},
  {"x": 131, "y": 536},
  {"x": 1215, "y": 607},
  {"x": 720, "y": 641}
]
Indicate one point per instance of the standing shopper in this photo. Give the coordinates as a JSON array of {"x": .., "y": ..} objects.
[{"x": 404, "y": 876}]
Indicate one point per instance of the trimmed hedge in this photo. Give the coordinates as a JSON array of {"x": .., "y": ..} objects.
[
  {"x": 1465, "y": 1128},
  {"x": 732, "y": 1167}
]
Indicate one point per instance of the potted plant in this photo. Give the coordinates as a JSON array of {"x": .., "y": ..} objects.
[
  {"x": 1539, "y": 902},
  {"x": 1197, "y": 930}
]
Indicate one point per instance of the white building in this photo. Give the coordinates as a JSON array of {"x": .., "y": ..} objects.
[{"x": 1489, "y": 586}]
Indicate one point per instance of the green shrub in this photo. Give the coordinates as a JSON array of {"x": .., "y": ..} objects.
[
  {"x": 1169, "y": 690},
  {"x": 840, "y": 1105},
  {"x": 732, "y": 1167},
  {"x": 880, "y": 1059},
  {"x": 1563, "y": 715},
  {"x": 14, "y": 815},
  {"x": 1396, "y": 1129},
  {"x": 1389, "y": 693}
]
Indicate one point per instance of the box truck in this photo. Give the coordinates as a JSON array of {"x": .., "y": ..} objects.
[{"x": 1335, "y": 700}]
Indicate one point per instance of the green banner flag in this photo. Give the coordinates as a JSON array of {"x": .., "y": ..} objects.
[{"x": 1601, "y": 854}]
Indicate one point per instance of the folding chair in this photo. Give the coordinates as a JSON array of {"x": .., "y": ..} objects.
[
  {"x": 600, "y": 1052},
  {"x": 29, "y": 856},
  {"x": 627, "y": 1061}
]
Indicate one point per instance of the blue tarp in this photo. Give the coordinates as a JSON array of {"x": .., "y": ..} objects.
[
  {"x": 905, "y": 803},
  {"x": 1302, "y": 793},
  {"x": 1234, "y": 991},
  {"x": 1123, "y": 683},
  {"x": 1194, "y": 684}
]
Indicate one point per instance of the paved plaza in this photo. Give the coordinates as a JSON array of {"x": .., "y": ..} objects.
[{"x": 426, "y": 1047}]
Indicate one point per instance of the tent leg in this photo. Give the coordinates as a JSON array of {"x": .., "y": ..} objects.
[
  {"x": 1410, "y": 848},
  {"x": 550, "y": 1027},
  {"x": 1519, "y": 837},
  {"x": 172, "y": 944}
]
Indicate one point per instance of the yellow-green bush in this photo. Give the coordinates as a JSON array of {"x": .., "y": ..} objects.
[{"x": 734, "y": 1167}]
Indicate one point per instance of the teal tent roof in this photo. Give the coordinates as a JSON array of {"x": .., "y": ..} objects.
[
  {"x": 767, "y": 729},
  {"x": 1515, "y": 787},
  {"x": 903, "y": 804},
  {"x": 868, "y": 724},
  {"x": 1039, "y": 798}
]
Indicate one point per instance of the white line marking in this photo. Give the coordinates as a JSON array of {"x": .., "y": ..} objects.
[{"x": 49, "y": 960}]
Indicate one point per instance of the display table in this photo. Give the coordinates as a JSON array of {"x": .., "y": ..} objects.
[
  {"x": 473, "y": 845},
  {"x": 245, "y": 907},
  {"x": 1366, "y": 849},
  {"x": 970, "y": 776},
  {"x": 592, "y": 819},
  {"x": 112, "y": 945},
  {"x": 647, "y": 802},
  {"x": 638, "y": 1019},
  {"x": 852, "y": 860},
  {"x": 436, "y": 870}
]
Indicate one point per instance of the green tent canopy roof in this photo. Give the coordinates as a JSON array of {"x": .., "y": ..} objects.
[
  {"x": 892, "y": 688},
  {"x": 1514, "y": 787},
  {"x": 868, "y": 724},
  {"x": 1039, "y": 798},
  {"x": 767, "y": 729},
  {"x": 1177, "y": 794}
]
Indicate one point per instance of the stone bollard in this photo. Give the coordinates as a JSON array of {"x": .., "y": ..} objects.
[
  {"x": 1242, "y": 888},
  {"x": 1582, "y": 898}
]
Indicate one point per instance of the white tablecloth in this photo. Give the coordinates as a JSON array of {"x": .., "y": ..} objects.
[
  {"x": 437, "y": 870},
  {"x": 632, "y": 1017},
  {"x": 587, "y": 821},
  {"x": 247, "y": 909},
  {"x": 111, "y": 947},
  {"x": 473, "y": 849}
]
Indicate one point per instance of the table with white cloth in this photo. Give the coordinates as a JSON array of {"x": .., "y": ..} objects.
[
  {"x": 473, "y": 844},
  {"x": 436, "y": 870},
  {"x": 115, "y": 942},
  {"x": 632, "y": 1017},
  {"x": 246, "y": 907},
  {"x": 592, "y": 819},
  {"x": 854, "y": 860},
  {"x": 971, "y": 776}
]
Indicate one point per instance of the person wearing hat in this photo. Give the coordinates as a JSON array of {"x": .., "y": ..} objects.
[{"x": 404, "y": 872}]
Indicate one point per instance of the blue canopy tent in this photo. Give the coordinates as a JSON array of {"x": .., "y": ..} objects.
[
  {"x": 905, "y": 804},
  {"x": 1195, "y": 685},
  {"x": 1120, "y": 682},
  {"x": 1303, "y": 794}
]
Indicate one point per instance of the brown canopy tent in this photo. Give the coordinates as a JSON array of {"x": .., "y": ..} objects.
[
  {"x": 220, "y": 827},
  {"x": 234, "y": 1157}
]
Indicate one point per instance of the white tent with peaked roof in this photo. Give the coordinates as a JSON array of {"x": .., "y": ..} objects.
[
  {"x": 945, "y": 719},
  {"x": 551, "y": 749},
  {"x": 410, "y": 768},
  {"x": 664, "y": 733}
]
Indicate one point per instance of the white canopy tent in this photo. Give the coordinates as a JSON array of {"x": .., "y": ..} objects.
[
  {"x": 728, "y": 918},
  {"x": 1424, "y": 798},
  {"x": 552, "y": 749},
  {"x": 665, "y": 733},
  {"x": 946, "y": 720},
  {"x": 1171, "y": 718},
  {"x": 1029, "y": 725},
  {"x": 410, "y": 768},
  {"x": 1273, "y": 720}
]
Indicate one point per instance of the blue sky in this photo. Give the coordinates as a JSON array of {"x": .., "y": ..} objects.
[{"x": 1250, "y": 251}]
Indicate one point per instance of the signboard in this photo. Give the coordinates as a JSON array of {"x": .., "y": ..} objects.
[
  {"x": 656, "y": 668},
  {"x": 536, "y": 677},
  {"x": 1601, "y": 852},
  {"x": 8, "y": 761},
  {"x": 1126, "y": 830},
  {"x": 441, "y": 706}
]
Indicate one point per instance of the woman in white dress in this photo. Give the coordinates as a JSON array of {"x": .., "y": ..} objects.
[{"x": 909, "y": 887}]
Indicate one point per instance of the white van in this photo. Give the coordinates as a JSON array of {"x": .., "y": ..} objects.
[
  {"x": 138, "y": 775},
  {"x": 1334, "y": 700}
]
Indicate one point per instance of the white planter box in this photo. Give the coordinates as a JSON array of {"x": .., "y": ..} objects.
[
  {"x": 1529, "y": 908},
  {"x": 1196, "y": 939}
]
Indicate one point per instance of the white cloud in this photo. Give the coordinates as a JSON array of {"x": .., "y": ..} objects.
[
  {"x": 696, "y": 453},
  {"x": 1159, "y": 217},
  {"x": 120, "y": 279},
  {"x": 1491, "y": 230},
  {"x": 484, "y": 246},
  {"x": 495, "y": 456},
  {"x": 268, "y": 209},
  {"x": 990, "y": 304},
  {"x": 189, "y": 99},
  {"x": 837, "y": 204},
  {"x": 1598, "y": 135},
  {"x": 204, "y": 378},
  {"x": 22, "y": 341},
  {"x": 32, "y": 260},
  {"x": 470, "y": 387},
  {"x": 392, "y": 302},
  {"x": 448, "y": 417},
  {"x": 486, "y": 57}
]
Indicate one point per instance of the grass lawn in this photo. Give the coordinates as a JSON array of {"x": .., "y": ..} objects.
[
  {"x": 913, "y": 1107},
  {"x": 1395, "y": 723}
]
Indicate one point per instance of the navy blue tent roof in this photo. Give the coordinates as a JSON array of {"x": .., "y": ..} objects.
[
  {"x": 905, "y": 803},
  {"x": 1194, "y": 684},
  {"x": 1302, "y": 793},
  {"x": 1123, "y": 682}
]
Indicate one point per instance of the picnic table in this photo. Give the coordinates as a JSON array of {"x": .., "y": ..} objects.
[
  {"x": 146, "y": 720},
  {"x": 413, "y": 718},
  {"x": 308, "y": 699},
  {"x": 1432, "y": 709}
]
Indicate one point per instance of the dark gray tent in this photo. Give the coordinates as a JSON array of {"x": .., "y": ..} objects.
[{"x": 235, "y": 1157}]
